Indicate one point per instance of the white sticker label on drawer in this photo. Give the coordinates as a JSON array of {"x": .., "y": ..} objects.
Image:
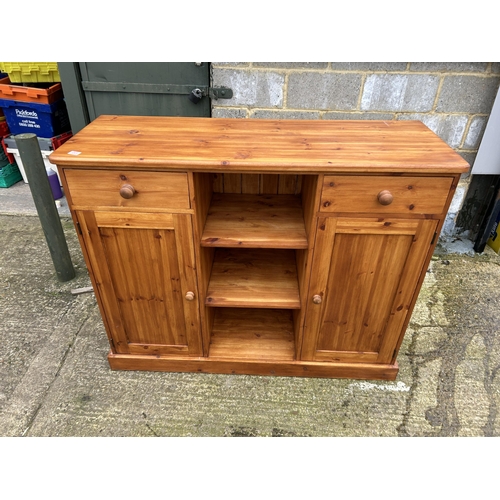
[{"x": 75, "y": 153}]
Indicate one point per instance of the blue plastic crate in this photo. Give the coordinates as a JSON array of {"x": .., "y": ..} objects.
[{"x": 44, "y": 120}]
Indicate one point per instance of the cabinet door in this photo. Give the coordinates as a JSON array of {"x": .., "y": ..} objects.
[
  {"x": 144, "y": 272},
  {"x": 363, "y": 280}
]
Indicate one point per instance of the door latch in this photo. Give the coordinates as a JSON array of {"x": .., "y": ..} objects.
[{"x": 213, "y": 92}]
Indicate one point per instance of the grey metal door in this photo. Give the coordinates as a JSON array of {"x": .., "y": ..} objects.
[{"x": 133, "y": 88}]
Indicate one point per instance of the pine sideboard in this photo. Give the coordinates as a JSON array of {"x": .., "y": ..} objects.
[{"x": 269, "y": 247}]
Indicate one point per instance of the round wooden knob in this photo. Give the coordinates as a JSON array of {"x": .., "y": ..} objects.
[
  {"x": 385, "y": 197},
  {"x": 189, "y": 296},
  {"x": 317, "y": 299},
  {"x": 127, "y": 191}
]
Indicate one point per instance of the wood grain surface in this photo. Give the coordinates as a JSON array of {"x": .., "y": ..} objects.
[
  {"x": 281, "y": 368},
  {"x": 363, "y": 276},
  {"x": 254, "y": 278},
  {"x": 255, "y": 221},
  {"x": 267, "y": 146},
  {"x": 253, "y": 334},
  {"x": 101, "y": 188},
  {"x": 270, "y": 247},
  {"x": 412, "y": 195}
]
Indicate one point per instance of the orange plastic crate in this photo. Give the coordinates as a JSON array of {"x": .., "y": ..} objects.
[{"x": 30, "y": 94}]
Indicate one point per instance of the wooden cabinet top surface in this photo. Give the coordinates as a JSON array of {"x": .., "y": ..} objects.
[{"x": 220, "y": 144}]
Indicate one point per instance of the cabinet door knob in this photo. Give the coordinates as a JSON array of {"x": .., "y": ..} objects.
[
  {"x": 189, "y": 296},
  {"x": 317, "y": 299},
  {"x": 127, "y": 191},
  {"x": 385, "y": 197}
]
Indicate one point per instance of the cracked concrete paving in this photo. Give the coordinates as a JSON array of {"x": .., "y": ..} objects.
[{"x": 55, "y": 379}]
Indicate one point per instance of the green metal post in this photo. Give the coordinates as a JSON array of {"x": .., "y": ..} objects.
[{"x": 38, "y": 181}]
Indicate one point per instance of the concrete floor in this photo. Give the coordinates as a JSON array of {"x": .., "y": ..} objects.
[{"x": 55, "y": 379}]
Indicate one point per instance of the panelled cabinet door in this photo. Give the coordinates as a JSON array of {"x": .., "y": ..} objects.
[
  {"x": 143, "y": 265},
  {"x": 362, "y": 284}
]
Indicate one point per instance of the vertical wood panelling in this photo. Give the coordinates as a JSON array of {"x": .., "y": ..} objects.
[
  {"x": 361, "y": 290},
  {"x": 188, "y": 281},
  {"x": 320, "y": 271},
  {"x": 147, "y": 308},
  {"x": 95, "y": 252},
  {"x": 310, "y": 199},
  {"x": 250, "y": 184},
  {"x": 301, "y": 257},
  {"x": 218, "y": 185},
  {"x": 146, "y": 300},
  {"x": 405, "y": 295},
  {"x": 203, "y": 186},
  {"x": 269, "y": 183},
  {"x": 310, "y": 202},
  {"x": 232, "y": 183},
  {"x": 287, "y": 184},
  {"x": 257, "y": 183},
  {"x": 365, "y": 294},
  {"x": 298, "y": 184}
]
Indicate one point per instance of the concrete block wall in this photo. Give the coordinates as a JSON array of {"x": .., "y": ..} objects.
[{"x": 453, "y": 99}]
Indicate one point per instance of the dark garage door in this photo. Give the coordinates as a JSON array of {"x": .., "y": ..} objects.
[{"x": 132, "y": 88}]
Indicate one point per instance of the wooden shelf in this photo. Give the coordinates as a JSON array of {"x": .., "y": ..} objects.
[
  {"x": 255, "y": 221},
  {"x": 254, "y": 278},
  {"x": 253, "y": 334}
]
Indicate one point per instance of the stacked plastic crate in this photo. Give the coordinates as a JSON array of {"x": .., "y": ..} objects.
[
  {"x": 9, "y": 173},
  {"x": 32, "y": 100}
]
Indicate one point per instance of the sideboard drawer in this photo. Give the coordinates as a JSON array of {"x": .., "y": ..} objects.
[
  {"x": 128, "y": 188},
  {"x": 385, "y": 194}
]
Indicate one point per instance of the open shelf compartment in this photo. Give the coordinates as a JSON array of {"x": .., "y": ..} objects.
[
  {"x": 263, "y": 278},
  {"x": 255, "y": 221},
  {"x": 253, "y": 334}
]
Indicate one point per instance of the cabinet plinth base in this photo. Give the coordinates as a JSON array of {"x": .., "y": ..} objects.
[{"x": 363, "y": 371}]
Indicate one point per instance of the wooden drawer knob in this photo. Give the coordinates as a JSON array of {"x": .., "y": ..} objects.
[
  {"x": 127, "y": 191},
  {"x": 189, "y": 296},
  {"x": 385, "y": 197},
  {"x": 317, "y": 299}
]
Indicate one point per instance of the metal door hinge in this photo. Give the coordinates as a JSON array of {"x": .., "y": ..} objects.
[
  {"x": 433, "y": 239},
  {"x": 157, "y": 88},
  {"x": 78, "y": 228},
  {"x": 213, "y": 92},
  {"x": 220, "y": 93}
]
